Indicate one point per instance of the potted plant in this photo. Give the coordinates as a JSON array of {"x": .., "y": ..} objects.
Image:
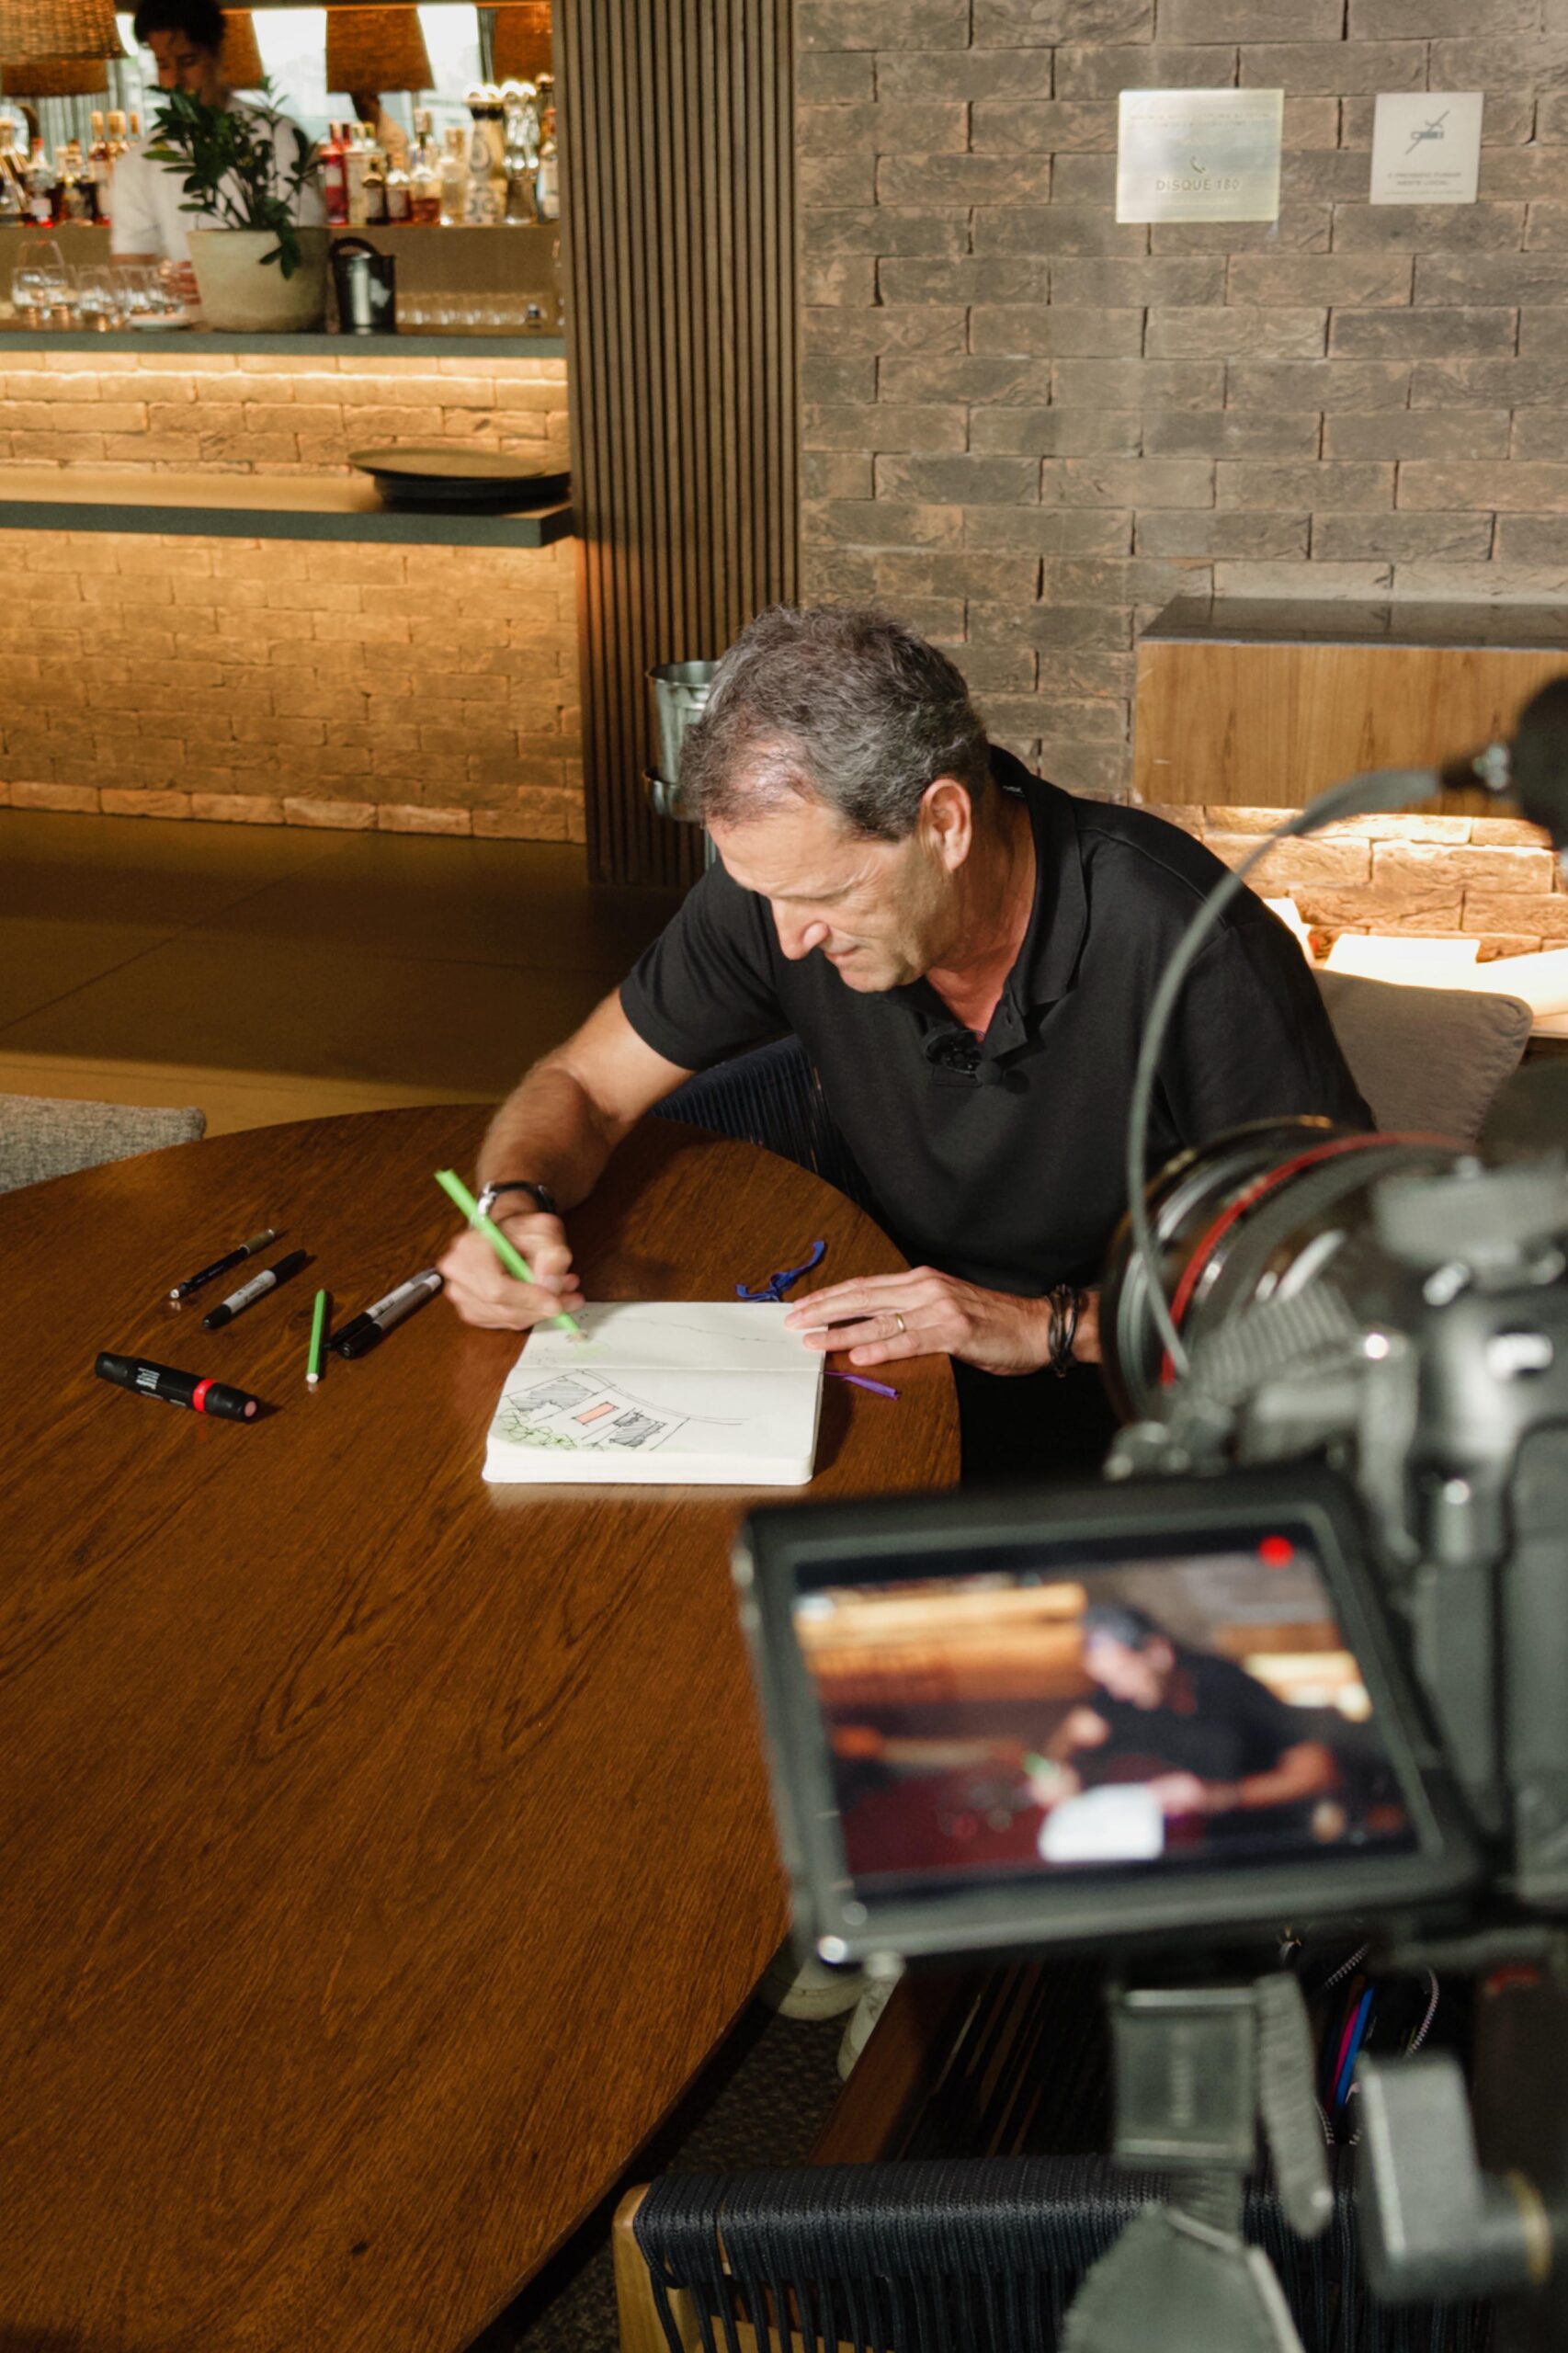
[{"x": 260, "y": 272}]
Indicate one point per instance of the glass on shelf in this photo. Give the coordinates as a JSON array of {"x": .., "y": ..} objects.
[
  {"x": 99, "y": 300},
  {"x": 144, "y": 293},
  {"x": 38, "y": 269}
]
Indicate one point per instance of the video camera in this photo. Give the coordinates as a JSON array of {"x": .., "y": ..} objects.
[{"x": 1301, "y": 1660}]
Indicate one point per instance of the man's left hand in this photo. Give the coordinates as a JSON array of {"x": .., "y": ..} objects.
[
  {"x": 879, "y": 1318},
  {"x": 1182, "y": 1793}
]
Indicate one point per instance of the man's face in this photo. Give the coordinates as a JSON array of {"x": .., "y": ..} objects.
[
  {"x": 878, "y": 911},
  {"x": 184, "y": 65},
  {"x": 1139, "y": 1677}
]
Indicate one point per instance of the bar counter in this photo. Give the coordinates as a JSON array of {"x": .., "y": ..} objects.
[
  {"x": 170, "y": 342},
  {"x": 225, "y": 623},
  {"x": 259, "y": 507}
]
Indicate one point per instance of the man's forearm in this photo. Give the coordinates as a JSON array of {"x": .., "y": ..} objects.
[
  {"x": 550, "y": 1130},
  {"x": 1308, "y": 1771}
]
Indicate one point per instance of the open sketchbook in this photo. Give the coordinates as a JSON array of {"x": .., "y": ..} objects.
[{"x": 715, "y": 1394}]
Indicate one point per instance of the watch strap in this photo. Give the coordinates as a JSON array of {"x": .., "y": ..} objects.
[{"x": 540, "y": 1195}]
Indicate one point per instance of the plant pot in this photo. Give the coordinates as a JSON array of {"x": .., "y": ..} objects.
[{"x": 243, "y": 295}]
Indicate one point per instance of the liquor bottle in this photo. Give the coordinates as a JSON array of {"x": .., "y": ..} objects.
[
  {"x": 73, "y": 188},
  {"x": 400, "y": 193},
  {"x": 454, "y": 179},
  {"x": 483, "y": 103},
  {"x": 99, "y": 169},
  {"x": 40, "y": 188},
  {"x": 333, "y": 181},
  {"x": 355, "y": 161},
  {"x": 522, "y": 124},
  {"x": 135, "y": 130},
  {"x": 116, "y": 135},
  {"x": 547, "y": 181},
  {"x": 375, "y": 188},
  {"x": 484, "y": 204},
  {"x": 425, "y": 174},
  {"x": 453, "y": 176},
  {"x": 487, "y": 157}
]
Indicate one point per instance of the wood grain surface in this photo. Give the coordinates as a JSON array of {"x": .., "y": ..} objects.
[
  {"x": 1267, "y": 726},
  {"x": 382, "y": 1852}
]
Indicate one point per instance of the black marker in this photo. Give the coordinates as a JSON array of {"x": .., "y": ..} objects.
[
  {"x": 213, "y": 1397},
  {"x": 222, "y": 1265},
  {"x": 368, "y": 1330},
  {"x": 257, "y": 1288}
]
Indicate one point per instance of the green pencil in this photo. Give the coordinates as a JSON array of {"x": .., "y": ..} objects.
[
  {"x": 318, "y": 1334},
  {"x": 510, "y": 1257}
]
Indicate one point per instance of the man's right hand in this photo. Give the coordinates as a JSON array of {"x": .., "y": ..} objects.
[{"x": 484, "y": 1293}]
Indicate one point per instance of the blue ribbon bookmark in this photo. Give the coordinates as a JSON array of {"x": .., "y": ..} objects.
[{"x": 777, "y": 1285}]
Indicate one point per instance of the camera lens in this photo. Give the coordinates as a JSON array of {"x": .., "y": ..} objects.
[{"x": 1262, "y": 1212}]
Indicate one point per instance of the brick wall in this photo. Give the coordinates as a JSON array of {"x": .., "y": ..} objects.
[
  {"x": 285, "y": 681},
  {"x": 1027, "y": 428},
  {"x": 259, "y": 412}
]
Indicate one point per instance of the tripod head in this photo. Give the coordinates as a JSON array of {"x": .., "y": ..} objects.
[{"x": 1200, "y": 2069}]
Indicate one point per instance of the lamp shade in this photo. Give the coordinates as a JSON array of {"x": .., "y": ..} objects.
[
  {"x": 519, "y": 41},
  {"x": 54, "y": 77},
  {"x": 376, "y": 49},
  {"x": 58, "y": 29},
  {"x": 243, "y": 67}
]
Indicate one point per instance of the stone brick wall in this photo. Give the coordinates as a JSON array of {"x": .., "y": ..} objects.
[
  {"x": 283, "y": 681},
  {"x": 259, "y": 412},
  {"x": 1027, "y": 428},
  {"x": 1490, "y": 877}
]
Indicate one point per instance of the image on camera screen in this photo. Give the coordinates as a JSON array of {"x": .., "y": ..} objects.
[{"x": 1139, "y": 1715}]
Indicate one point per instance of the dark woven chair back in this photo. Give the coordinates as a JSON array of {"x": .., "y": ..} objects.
[
  {"x": 772, "y": 1096},
  {"x": 969, "y": 2255}
]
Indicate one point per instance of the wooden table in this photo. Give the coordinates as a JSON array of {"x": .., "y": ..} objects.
[{"x": 380, "y": 1853}]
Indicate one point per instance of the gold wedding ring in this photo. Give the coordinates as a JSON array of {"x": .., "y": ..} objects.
[{"x": 899, "y": 1321}]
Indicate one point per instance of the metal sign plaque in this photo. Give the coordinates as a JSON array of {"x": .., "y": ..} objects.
[
  {"x": 1198, "y": 154},
  {"x": 1427, "y": 146}
]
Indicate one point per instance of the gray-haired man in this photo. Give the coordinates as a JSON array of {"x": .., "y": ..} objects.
[{"x": 968, "y": 955}]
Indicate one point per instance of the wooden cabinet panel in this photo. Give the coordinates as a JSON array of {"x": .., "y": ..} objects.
[{"x": 1228, "y": 713}]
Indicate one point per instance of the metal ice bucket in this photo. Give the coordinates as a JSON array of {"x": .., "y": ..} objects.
[{"x": 680, "y": 691}]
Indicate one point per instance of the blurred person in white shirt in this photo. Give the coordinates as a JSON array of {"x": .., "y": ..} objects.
[{"x": 148, "y": 223}]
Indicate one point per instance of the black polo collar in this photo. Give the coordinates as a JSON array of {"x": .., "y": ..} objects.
[
  {"x": 1044, "y": 967},
  {"x": 1049, "y": 958}
]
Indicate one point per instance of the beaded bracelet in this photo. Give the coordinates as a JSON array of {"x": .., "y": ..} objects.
[{"x": 1066, "y": 1305}]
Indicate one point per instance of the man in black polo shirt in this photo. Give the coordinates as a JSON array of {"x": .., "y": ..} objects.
[
  {"x": 969, "y": 956},
  {"x": 1209, "y": 1739}
]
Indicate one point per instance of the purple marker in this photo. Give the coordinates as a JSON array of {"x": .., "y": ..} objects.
[{"x": 859, "y": 1380}]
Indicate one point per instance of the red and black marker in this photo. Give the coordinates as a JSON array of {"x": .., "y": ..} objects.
[{"x": 213, "y": 1397}]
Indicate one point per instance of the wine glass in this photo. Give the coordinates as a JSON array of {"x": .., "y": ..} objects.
[
  {"x": 99, "y": 297},
  {"x": 30, "y": 279},
  {"x": 58, "y": 295}
]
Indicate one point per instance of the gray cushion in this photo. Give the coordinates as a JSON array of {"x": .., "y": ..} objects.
[
  {"x": 1429, "y": 1060},
  {"x": 41, "y": 1137}
]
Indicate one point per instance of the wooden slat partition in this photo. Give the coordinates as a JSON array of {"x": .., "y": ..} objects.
[{"x": 678, "y": 173}]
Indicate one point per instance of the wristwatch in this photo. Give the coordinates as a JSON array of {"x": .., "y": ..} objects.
[{"x": 540, "y": 1195}]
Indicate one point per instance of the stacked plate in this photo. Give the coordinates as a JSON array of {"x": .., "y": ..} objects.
[{"x": 464, "y": 479}]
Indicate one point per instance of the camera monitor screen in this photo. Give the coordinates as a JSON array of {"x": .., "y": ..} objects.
[{"x": 1049, "y": 1711}]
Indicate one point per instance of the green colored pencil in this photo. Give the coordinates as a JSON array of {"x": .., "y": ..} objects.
[
  {"x": 318, "y": 1334},
  {"x": 510, "y": 1257}
]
